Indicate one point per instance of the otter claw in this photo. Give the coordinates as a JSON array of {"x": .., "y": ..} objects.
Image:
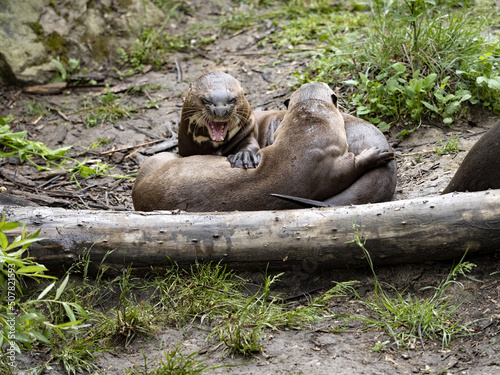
[{"x": 244, "y": 159}]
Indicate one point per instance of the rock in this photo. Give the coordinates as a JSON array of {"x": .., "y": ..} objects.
[{"x": 33, "y": 32}]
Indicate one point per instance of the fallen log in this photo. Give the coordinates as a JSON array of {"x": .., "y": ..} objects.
[{"x": 306, "y": 240}]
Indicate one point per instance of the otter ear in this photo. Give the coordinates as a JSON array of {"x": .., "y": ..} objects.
[
  {"x": 334, "y": 99},
  {"x": 286, "y": 102}
]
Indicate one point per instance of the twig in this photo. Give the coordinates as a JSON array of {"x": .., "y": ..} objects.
[
  {"x": 179, "y": 71},
  {"x": 131, "y": 147},
  {"x": 59, "y": 113},
  {"x": 145, "y": 132},
  {"x": 132, "y": 153},
  {"x": 49, "y": 181}
]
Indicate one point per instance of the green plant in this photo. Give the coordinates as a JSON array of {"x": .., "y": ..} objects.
[
  {"x": 130, "y": 318},
  {"x": 73, "y": 67},
  {"x": 208, "y": 293},
  {"x": 108, "y": 108},
  {"x": 36, "y": 108},
  {"x": 408, "y": 319},
  {"x": 450, "y": 147},
  {"x": 407, "y": 64},
  {"x": 380, "y": 346},
  {"x": 27, "y": 150},
  {"x": 25, "y": 321},
  {"x": 175, "y": 362}
]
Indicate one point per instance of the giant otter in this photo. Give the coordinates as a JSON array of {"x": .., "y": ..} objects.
[
  {"x": 480, "y": 170},
  {"x": 309, "y": 158},
  {"x": 217, "y": 119},
  {"x": 376, "y": 185}
]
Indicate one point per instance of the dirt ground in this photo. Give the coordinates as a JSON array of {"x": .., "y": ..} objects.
[{"x": 267, "y": 80}]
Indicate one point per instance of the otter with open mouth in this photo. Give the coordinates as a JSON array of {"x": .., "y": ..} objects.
[
  {"x": 217, "y": 119},
  {"x": 309, "y": 159}
]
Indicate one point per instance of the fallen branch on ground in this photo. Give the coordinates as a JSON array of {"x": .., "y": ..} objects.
[{"x": 413, "y": 230}]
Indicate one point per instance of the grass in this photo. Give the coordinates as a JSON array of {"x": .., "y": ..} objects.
[
  {"x": 395, "y": 62},
  {"x": 206, "y": 296},
  {"x": 174, "y": 362},
  {"x": 108, "y": 108},
  {"x": 30, "y": 322},
  {"x": 450, "y": 147},
  {"x": 36, "y": 108},
  {"x": 78, "y": 316},
  {"x": 411, "y": 320},
  {"x": 416, "y": 60}
]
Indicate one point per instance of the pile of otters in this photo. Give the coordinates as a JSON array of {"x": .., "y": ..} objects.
[{"x": 310, "y": 155}]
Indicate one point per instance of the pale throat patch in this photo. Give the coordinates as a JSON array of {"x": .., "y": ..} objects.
[{"x": 196, "y": 121}]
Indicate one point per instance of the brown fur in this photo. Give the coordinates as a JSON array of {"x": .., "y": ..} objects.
[
  {"x": 309, "y": 158},
  {"x": 480, "y": 170},
  {"x": 376, "y": 185},
  {"x": 218, "y": 98}
]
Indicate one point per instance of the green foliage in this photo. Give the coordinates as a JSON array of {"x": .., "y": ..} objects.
[
  {"x": 36, "y": 109},
  {"x": 175, "y": 362},
  {"x": 27, "y": 150},
  {"x": 408, "y": 319},
  {"x": 210, "y": 293},
  {"x": 73, "y": 67},
  {"x": 154, "y": 45},
  {"x": 450, "y": 147},
  {"x": 404, "y": 97},
  {"x": 28, "y": 322},
  {"x": 132, "y": 318},
  {"x": 414, "y": 63},
  {"x": 323, "y": 27},
  {"x": 147, "y": 49},
  {"x": 108, "y": 108}
]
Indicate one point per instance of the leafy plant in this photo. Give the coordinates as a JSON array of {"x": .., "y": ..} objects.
[
  {"x": 73, "y": 66},
  {"x": 419, "y": 59},
  {"x": 27, "y": 150},
  {"x": 211, "y": 294},
  {"x": 175, "y": 362},
  {"x": 109, "y": 108},
  {"x": 450, "y": 147},
  {"x": 24, "y": 321},
  {"x": 36, "y": 108}
]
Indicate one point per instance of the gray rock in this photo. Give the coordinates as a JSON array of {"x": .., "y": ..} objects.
[{"x": 32, "y": 32}]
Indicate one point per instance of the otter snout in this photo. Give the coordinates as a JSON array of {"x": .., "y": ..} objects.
[
  {"x": 220, "y": 103},
  {"x": 220, "y": 111}
]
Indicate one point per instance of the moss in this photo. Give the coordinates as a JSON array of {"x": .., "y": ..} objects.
[
  {"x": 100, "y": 47},
  {"x": 53, "y": 5},
  {"x": 124, "y": 4},
  {"x": 36, "y": 27},
  {"x": 54, "y": 42}
]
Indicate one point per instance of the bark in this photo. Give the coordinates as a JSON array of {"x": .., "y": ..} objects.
[{"x": 306, "y": 240}]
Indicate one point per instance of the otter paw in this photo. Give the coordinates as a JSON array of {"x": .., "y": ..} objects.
[
  {"x": 244, "y": 159},
  {"x": 376, "y": 157}
]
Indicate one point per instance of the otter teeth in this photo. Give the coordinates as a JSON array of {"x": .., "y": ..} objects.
[
  {"x": 217, "y": 130},
  {"x": 212, "y": 129}
]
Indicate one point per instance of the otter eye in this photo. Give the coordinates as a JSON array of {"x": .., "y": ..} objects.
[
  {"x": 232, "y": 101},
  {"x": 206, "y": 101}
]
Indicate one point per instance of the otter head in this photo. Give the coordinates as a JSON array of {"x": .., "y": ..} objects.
[
  {"x": 216, "y": 102},
  {"x": 312, "y": 90}
]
